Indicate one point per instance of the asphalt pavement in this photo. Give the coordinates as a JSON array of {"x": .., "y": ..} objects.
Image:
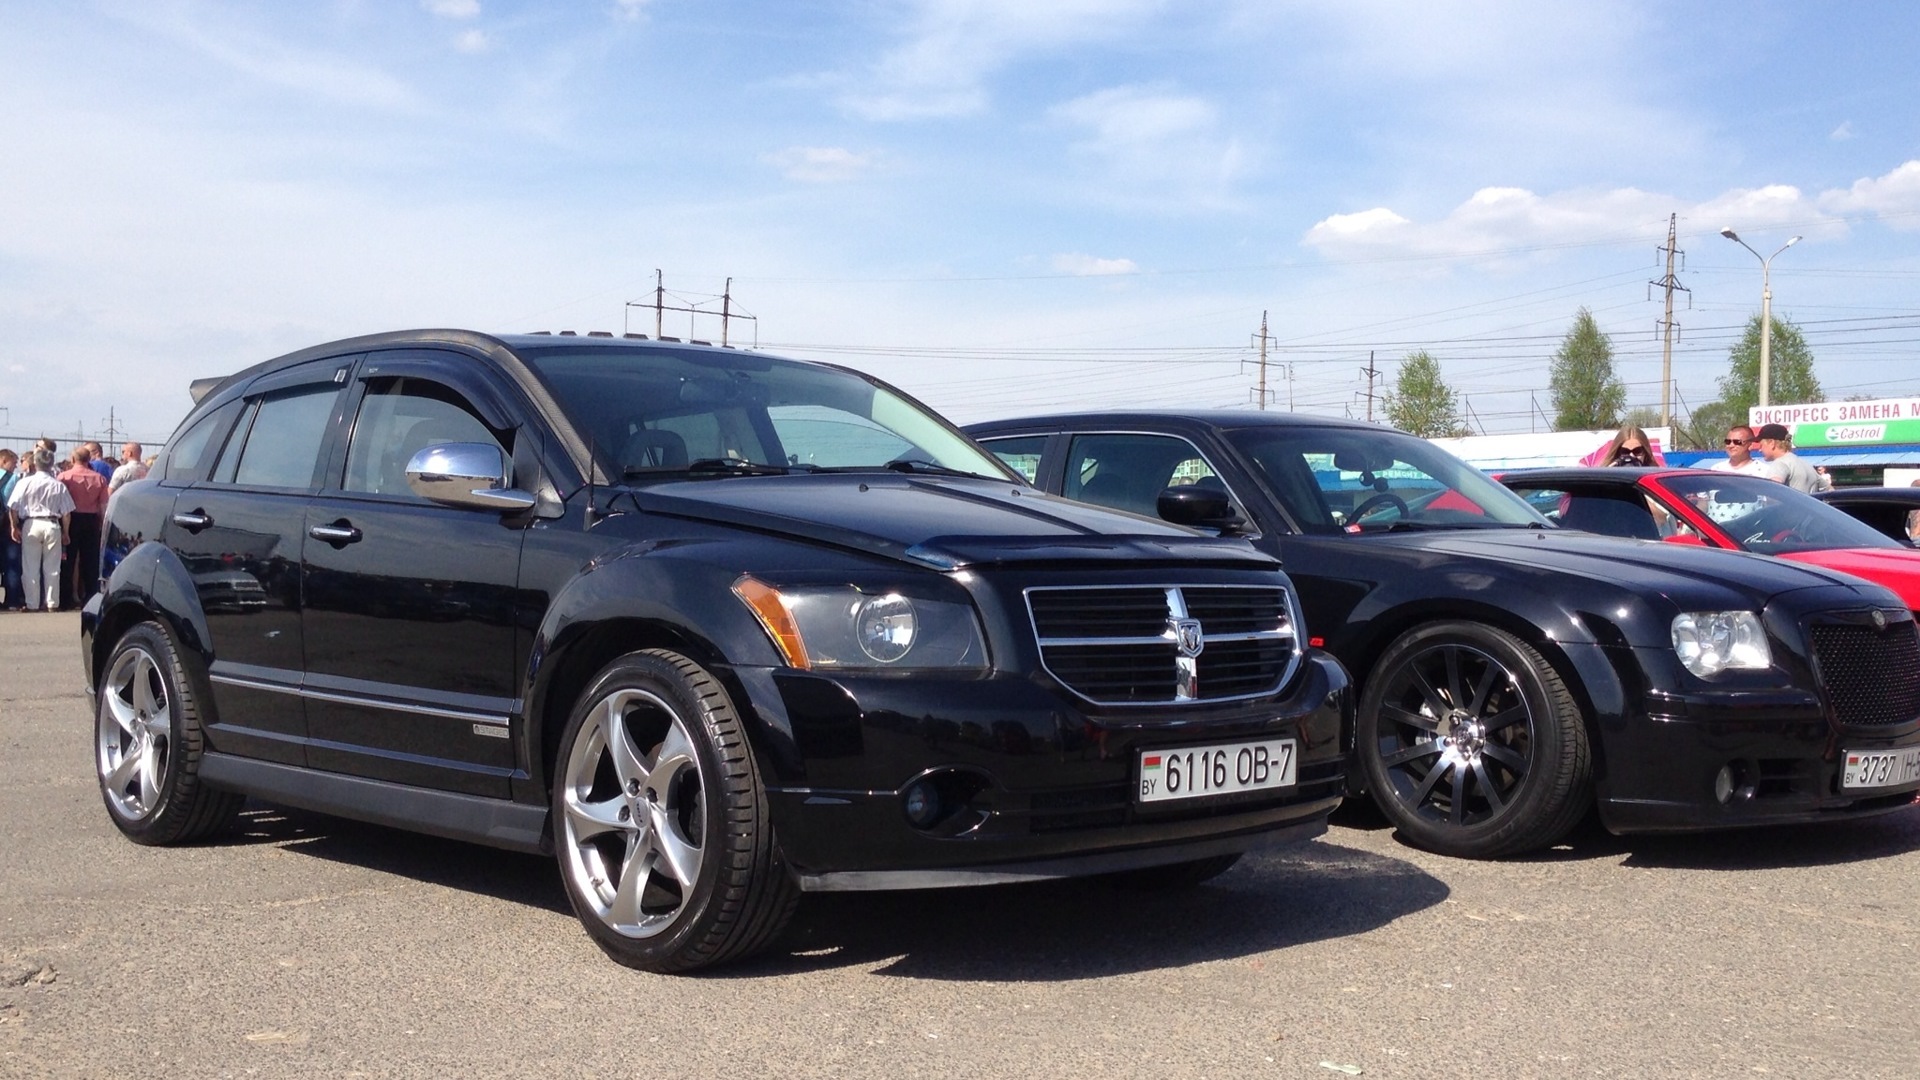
[{"x": 301, "y": 945}]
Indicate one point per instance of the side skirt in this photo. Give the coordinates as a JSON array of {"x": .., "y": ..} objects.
[{"x": 493, "y": 822}]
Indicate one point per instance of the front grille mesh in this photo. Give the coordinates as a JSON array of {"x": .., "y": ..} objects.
[
  {"x": 1115, "y": 645},
  {"x": 1871, "y": 677}
]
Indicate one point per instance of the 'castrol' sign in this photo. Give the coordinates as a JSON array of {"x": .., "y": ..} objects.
[{"x": 1845, "y": 423}]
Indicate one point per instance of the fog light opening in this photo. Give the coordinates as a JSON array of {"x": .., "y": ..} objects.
[
  {"x": 921, "y": 801},
  {"x": 1732, "y": 781}
]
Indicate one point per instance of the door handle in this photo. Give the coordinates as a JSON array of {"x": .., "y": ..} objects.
[
  {"x": 193, "y": 520},
  {"x": 339, "y": 534}
]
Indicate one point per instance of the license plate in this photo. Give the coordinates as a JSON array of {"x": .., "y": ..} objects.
[
  {"x": 1192, "y": 772},
  {"x": 1881, "y": 768}
]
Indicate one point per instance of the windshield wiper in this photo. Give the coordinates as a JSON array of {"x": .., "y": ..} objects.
[
  {"x": 916, "y": 465},
  {"x": 722, "y": 466}
]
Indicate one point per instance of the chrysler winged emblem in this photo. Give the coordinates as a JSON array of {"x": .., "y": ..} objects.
[
  {"x": 1187, "y": 635},
  {"x": 1879, "y": 619}
]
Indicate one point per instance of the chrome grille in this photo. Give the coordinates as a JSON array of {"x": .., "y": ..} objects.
[
  {"x": 1871, "y": 677},
  {"x": 1121, "y": 645}
]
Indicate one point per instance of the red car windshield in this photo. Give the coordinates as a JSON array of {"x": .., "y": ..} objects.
[{"x": 1771, "y": 518}]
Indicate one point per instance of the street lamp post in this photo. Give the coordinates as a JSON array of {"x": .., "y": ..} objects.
[{"x": 1766, "y": 311}]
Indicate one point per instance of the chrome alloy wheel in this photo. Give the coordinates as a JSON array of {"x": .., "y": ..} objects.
[
  {"x": 1455, "y": 734},
  {"x": 633, "y": 813},
  {"x": 134, "y": 732}
]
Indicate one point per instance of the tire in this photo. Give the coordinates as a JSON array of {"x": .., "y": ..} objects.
[
  {"x": 660, "y": 820},
  {"x": 1173, "y": 877},
  {"x": 1472, "y": 744},
  {"x": 148, "y": 742}
]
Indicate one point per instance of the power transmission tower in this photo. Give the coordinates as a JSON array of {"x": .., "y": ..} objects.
[
  {"x": 726, "y": 313},
  {"x": 1260, "y": 395},
  {"x": 1670, "y": 285},
  {"x": 1371, "y": 373},
  {"x": 113, "y": 428}
]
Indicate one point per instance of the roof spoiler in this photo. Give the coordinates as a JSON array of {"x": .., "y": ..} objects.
[{"x": 200, "y": 388}]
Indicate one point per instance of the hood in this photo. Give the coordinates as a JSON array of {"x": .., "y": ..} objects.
[
  {"x": 1896, "y": 568},
  {"x": 942, "y": 522},
  {"x": 1676, "y": 570}
]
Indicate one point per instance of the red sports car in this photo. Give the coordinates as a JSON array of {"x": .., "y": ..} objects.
[{"x": 1737, "y": 511}]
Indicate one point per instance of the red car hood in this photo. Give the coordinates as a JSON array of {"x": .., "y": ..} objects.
[{"x": 1897, "y": 570}]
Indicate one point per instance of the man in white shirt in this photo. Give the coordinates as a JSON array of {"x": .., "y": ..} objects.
[
  {"x": 40, "y": 509},
  {"x": 131, "y": 468},
  {"x": 1740, "y": 459}
]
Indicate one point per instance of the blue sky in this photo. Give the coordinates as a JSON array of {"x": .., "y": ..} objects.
[{"x": 1003, "y": 206}]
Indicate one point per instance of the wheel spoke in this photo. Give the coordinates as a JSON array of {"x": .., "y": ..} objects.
[
  {"x": 1506, "y": 718},
  {"x": 634, "y": 869},
  {"x": 122, "y": 712},
  {"x": 675, "y": 753},
  {"x": 613, "y": 728},
  {"x": 123, "y": 772},
  {"x": 1508, "y": 756},
  {"x": 1455, "y": 689},
  {"x": 1459, "y": 793},
  {"x": 151, "y": 768},
  {"x": 1411, "y": 719},
  {"x": 1435, "y": 702},
  {"x": 1484, "y": 690},
  {"x": 1494, "y": 802},
  {"x": 1424, "y": 748},
  {"x": 681, "y": 858},
  {"x": 144, "y": 674},
  {"x": 591, "y": 819},
  {"x": 1434, "y": 774}
]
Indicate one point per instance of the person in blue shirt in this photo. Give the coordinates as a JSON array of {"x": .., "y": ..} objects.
[{"x": 15, "y": 599}]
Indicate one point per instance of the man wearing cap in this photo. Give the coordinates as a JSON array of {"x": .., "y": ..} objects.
[{"x": 1782, "y": 463}]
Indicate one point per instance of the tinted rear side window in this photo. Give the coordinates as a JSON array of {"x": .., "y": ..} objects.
[
  {"x": 283, "y": 444},
  {"x": 190, "y": 454}
]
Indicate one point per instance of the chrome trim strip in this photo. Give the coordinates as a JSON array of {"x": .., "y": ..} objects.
[
  {"x": 1162, "y": 639},
  {"x": 492, "y": 719}
]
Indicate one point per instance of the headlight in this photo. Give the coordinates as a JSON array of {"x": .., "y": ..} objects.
[
  {"x": 842, "y": 627},
  {"x": 1709, "y": 642}
]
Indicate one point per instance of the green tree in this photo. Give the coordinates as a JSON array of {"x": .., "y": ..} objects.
[
  {"x": 1704, "y": 427},
  {"x": 1421, "y": 402},
  {"x": 1587, "y": 393},
  {"x": 1792, "y": 363}
]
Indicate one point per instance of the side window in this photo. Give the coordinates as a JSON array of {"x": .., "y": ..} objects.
[
  {"x": 282, "y": 448},
  {"x": 398, "y": 418},
  {"x": 1021, "y": 454},
  {"x": 191, "y": 453},
  {"x": 1125, "y": 472}
]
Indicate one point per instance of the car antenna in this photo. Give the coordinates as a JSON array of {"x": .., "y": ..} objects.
[{"x": 593, "y": 466}]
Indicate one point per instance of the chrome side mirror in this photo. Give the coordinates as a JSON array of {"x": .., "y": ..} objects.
[{"x": 471, "y": 475}]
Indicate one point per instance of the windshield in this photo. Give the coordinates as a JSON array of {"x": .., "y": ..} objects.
[
  {"x": 666, "y": 413},
  {"x": 1352, "y": 480},
  {"x": 1771, "y": 518}
]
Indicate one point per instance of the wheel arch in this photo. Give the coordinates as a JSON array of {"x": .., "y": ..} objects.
[{"x": 151, "y": 584}]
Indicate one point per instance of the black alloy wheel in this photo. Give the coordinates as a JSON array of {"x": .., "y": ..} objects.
[{"x": 1472, "y": 744}]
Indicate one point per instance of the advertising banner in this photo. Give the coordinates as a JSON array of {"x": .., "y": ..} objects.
[{"x": 1845, "y": 423}]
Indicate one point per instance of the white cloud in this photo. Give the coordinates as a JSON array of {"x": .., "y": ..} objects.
[
  {"x": 951, "y": 47},
  {"x": 1093, "y": 266},
  {"x": 473, "y": 41},
  {"x": 1125, "y": 117},
  {"x": 452, "y": 9},
  {"x": 270, "y": 61},
  {"x": 1843, "y": 133},
  {"x": 1894, "y": 197},
  {"x": 629, "y": 10},
  {"x": 821, "y": 164},
  {"x": 1152, "y": 146},
  {"x": 1376, "y": 222}
]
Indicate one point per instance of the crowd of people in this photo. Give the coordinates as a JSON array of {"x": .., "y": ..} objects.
[
  {"x": 50, "y": 547},
  {"x": 1764, "y": 451}
]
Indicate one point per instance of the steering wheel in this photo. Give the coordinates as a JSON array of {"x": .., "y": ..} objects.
[{"x": 1375, "y": 502}]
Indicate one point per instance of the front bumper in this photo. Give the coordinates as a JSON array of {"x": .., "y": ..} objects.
[
  {"x": 1782, "y": 752},
  {"x": 1033, "y": 786}
]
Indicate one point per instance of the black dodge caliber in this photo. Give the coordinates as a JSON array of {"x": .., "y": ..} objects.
[
  {"x": 709, "y": 626},
  {"x": 1511, "y": 674}
]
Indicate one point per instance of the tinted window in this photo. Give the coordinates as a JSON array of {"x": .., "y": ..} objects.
[
  {"x": 1022, "y": 454},
  {"x": 1771, "y": 518},
  {"x": 282, "y": 448},
  {"x": 189, "y": 453},
  {"x": 1333, "y": 480},
  {"x": 399, "y": 418},
  {"x": 1128, "y": 472}
]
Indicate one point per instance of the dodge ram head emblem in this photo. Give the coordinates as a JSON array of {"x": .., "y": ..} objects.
[{"x": 1186, "y": 634}]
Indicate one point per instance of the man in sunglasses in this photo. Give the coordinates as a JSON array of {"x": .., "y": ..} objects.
[{"x": 1739, "y": 446}]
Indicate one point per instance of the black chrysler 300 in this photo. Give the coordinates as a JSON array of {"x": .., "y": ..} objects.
[
  {"x": 1510, "y": 673},
  {"x": 709, "y": 626}
]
